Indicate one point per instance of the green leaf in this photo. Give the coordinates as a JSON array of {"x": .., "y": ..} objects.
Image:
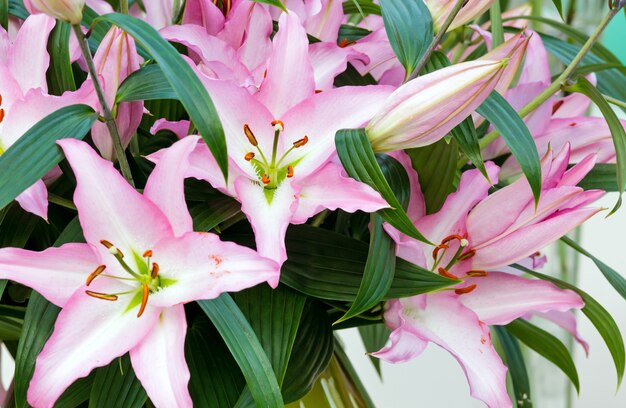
[
  {"x": 208, "y": 215},
  {"x": 352, "y": 384},
  {"x": 599, "y": 317},
  {"x": 188, "y": 87},
  {"x": 17, "y": 9},
  {"x": 60, "y": 75},
  {"x": 547, "y": 345},
  {"x": 116, "y": 385},
  {"x": 516, "y": 136},
  {"x": 17, "y": 226},
  {"x": 216, "y": 380},
  {"x": 36, "y": 152},
  {"x": 4, "y": 14},
  {"x": 409, "y": 27},
  {"x": 312, "y": 351},
  {"x": 358, "y": 159},
  {"x": 379, "y": 269},
  {"x": 76, "y": 393},
  {"x": 436, "y": 165},
  {"x": 246, "y": 348},
  {"x": 559, "y": 7},
  {"x": 618, "y": 133},
  {"x": 374, "y": 337},
  {"x": 352, "y": 33},
  {"x": 517, "y": 367},
  {"x": 361, "y": 7},
  {"x": 274, "y": 315},
  {"x": 148, "y": 83},
  {"x": 275, "y": 3},
  {"x": 615, "y": 279},
  {"x": 603, "y": 176}
]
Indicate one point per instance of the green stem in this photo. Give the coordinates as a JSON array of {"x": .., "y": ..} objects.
[
  {"x": 614, "y": 101},
  {"x": 442, "y": 31},
  {"x": 561, "y": 80},
  {"x": 106, "y": 111},
  {"x": 63, "y": 202},
  {"x": 124, "y": 6}
]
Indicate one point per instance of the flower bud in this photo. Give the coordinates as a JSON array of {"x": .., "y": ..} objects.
[
  {"x": 440, "y": 10},
  {"x": 70, "y": 11},
  {"x": 425, "y": 109}
]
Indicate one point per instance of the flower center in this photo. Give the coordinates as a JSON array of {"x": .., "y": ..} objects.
[
  {"x": 146, "y": 275},
  {"x": 460, "y": 255},
  {"x": 271, "y": 172}
]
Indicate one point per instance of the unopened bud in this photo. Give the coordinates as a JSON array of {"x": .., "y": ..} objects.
[{"x": 70, "y": 11}]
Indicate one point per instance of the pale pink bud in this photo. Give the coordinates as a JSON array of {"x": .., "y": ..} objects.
[
  {"x": 70, "y": 11},
  {"x": 440, "y": 10}
]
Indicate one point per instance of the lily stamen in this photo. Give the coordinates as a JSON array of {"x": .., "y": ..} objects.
[
  {"x": 144, "y": 299},
  {"x": 249, "y": 156},
  {"x": 93, "y": 275},
  {"x": 290, "y": 172},
  {"x": 265, "y": 179},
  {"x": 102, "y": 296},
  {"x": 467, "y": 289},
  {"x": 467, "y": 255},
  {"x": 444, "y": 272},
  {"x": 155, "y": 270},
  {"x": 478, "y": 274}
]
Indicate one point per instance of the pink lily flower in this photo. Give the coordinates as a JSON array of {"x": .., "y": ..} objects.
[
  {"x": 70, "y": 11},
  {"x": 320, "y": 18},
  {"x": 24, "y": 98},
  {"x": 282, "y": 145},
  {"x": 145, "y": 263},
  {"x": 115, "y": 59}
]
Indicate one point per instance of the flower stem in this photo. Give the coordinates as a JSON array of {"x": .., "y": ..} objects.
[
  {"x": 106, "y": 111},
  {"x": 124, "y": 6},
  {"x": 442, "y": 31},
  {"x": 561, "y": 80},
  {"x": 615, "y": 102}
]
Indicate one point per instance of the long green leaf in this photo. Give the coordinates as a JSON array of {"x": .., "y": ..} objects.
[
  {"x": 191, "y": 93},
  {"x": 246, "y": 348},
  {"x": 615, "y": 279},
  {"x": 618, "y": 133},
  {"x": 76, "y": 393},
  {"x": 116, "y": 385},
  {"x": 374, "y": 337},
  {"x": 361, "y": 7},
  {"x": 358, "y": 159},
  {"x": 378, "y": 273},
  {"x": 60, "y": 75},
  {"x": 599, "y": 317},
  {"x": 603, "y": 176},
  {"x": 17, "y": 9},
  {"x": 149, "y": 83},
  {"x": 547, "y": 345},
  {"x": 409, "y": 26},
  {"x": 517, "y": 367},
  {"x": 517, "y": 137},
  {"x": 4, "y": 14},
  {"x": 36, "y": 152},
  {"x": 208, "y": 215}
]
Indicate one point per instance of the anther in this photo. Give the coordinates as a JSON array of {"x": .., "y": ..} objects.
[
  {"x": 443, "y": 272},
  {"x": 0, "y": 100},
  {"x": 437, "y": 249},
  {"x": 467, "y": 255},
  {"x": 147, "y": 254},
  {"x": 289, "y": 171},
  {"x": 318, "y": 91},
  {"x": 1, "y": 115},
  {"x": 250, "y": 135},
  {"x": 344, "y": 43},
  {"x": 465, "y": 290},
  {"x": 556, "y": 106},
  {"x": 106, "y": 243},
  {"x": 102, "y": 296},
  {"x": 477, "y": 274},
  {"x": 144, "y": 300},
  {"x": 301, "y": 142},
  {"x": 93, "y": 275},
  {"x": 155, "y": 270},
  {"x": 265, "y": 179},
  {"x": 249, "y": 156},
  {"x": 278, "y": 125},
  {"x": 450, "y": 238}
]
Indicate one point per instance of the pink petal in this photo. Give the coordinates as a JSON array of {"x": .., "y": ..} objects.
[
  {"x": 567, "y": 321},
  {"x": 159, "y": 360},
  {"x": 28, "y": 58},
  {"x": 325, "y": 24},
  {"x": 204, "y": 13},
  {"x": 405, "y": 346},
  {"x": 269, "y": 219},
  {"x": 56, "y": 273},
  {"x": 289, "y": 72},
  {"x": 179, "y": 128},
  {"x": 256, "y": 45},
  {"x": 35, "y": 200},
  {"x": 159, "y": 13},
  {"x": 203, "y": 267},
  {"x": 417, "y": 206},
  {"x": 109, "y": 208},
  {"x": 88, "y": 333},
  {"x": 500, "y": 298},
  {"x": 322, "y": 115},
  {"x": 331, "y": 188},
  {"x": 166, "y": 185},
  {"x": 536, "y": 67},
  {"x": 330, "y": 60}
]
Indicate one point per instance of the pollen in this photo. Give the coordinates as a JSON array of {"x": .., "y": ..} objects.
[
  {"x": 250, "y": 135},
  {"x": 93, "y": 275},
  {"x": 249, "y": 156},
  {"x": 301, "y": 142},
  {"x": 465, "y": 290},
  {"x": 265, "y": 179},
  {"x": 147, "y": 254},
  {"x": 290, "y": 172},
  {"x": 102, "y": 296},
  {"x": 278, "y": 125}
]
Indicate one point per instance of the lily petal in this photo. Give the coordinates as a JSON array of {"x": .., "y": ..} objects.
[
  {"x": 35, "y": 200},
  {"x": 159, "y": 360},
  {"x": 56, "y": 273}
]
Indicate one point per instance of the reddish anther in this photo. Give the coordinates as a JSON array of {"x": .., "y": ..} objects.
[
  {"x": 250, "y": 135},
  {"x": 144, "y": 300},
  {"x": 155, "y": 270},
  {"x": 437, "y": 249},
  {"x": 301, "y": 142},
  {"x": 289, "y": 171},
  {"x": 249, "y": 156},
  {"x": 102, "y": 296},
  {"x": 147, "y": 254},
  {"x": 478, "y": 274},
  {"x": 265, "y": 179},
  {"x": 465, "y": 290},
  {"x": 467, "y": 255},
  {"x": 450, "y": 238},
  {"x": 443, "y": 272},
  {"x": 93, "y": 275}
]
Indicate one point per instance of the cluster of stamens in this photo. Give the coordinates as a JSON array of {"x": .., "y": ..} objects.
[
  {"x": 149, "y": 281},
  {"x": 461, "y": 255},
  {"x": 269, "y": 170},
  {"x": 223, "y": 5}
]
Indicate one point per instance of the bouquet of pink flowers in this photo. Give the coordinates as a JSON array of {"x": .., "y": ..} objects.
[{"x": 196, "y": 195}]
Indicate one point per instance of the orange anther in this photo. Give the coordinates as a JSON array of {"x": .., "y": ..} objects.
[
  {"x": 289, "y": 171},
  {"x": 249, "y": 156},
  {"x": 265, "y": 179},
  {"x": 450, "y": 238},
  {"x": 556, "y": 106},
  {"x": 301, "y": 142},
  {"x": 93, "y": 275},
  {"x": 467, "y": 255},
  {"x": 477, "y": 274},
  {"x": 250, "y": 135},
  {"x": 443, "y": 272},
  {"x": 144, "y": 300},
  {"x": 1, "y": 115},
  {"x": 106, "y": 243},
  {"x": 155, "y": 270},
  {"x": 102, "y": 296},
  {"x": 317, "y": 91},
  {"x": 437, "y": 249},
  {"x": 465, "y": 290},
  {"x": 147, "y": 254}
]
